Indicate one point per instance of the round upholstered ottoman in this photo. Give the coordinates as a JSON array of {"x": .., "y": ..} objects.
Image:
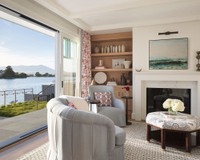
[{"x": 173, "y": 132}]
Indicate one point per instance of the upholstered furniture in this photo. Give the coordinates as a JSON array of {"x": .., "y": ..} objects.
[
  {"x": 174, "y": 132},
  {"x": 81, "y": 135},
  {"x": 117, "y": 112}
]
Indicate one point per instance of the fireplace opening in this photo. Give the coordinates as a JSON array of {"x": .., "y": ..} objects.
[{"x": 156, "y": 97}]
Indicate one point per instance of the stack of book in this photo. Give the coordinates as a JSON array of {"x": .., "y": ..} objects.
[
  {"x": 100, "y": 67},
  {"x": 167, "y": 115},
  {"x": 111, "y": 83}
]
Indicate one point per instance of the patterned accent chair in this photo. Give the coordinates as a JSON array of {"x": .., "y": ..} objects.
[
  {"x": 81, "y": 135},
  {"x": 116, "y": 113}
]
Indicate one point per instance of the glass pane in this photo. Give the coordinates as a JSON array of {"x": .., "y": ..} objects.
[
  {"x": 66, "y": 47},
  {"x": 69, "y": 76},
  {"x": 69, "y": 48},
  {"x": 69, "y": 66},
  {"x": 73, "y": 49}
]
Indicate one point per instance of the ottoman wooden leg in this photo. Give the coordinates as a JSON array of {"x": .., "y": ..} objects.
[
  {"x": 198, "y": 138},
  {"x": 148, "y": 134},
  {"x": 163, "y": 139},
  {"x": 188, "y": 143}
]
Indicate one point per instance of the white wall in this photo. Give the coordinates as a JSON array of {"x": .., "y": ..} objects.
[{"x": 142, "y": 35}]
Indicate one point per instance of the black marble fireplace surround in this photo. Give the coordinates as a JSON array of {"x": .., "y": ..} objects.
[{"x": 156, "y": 97}]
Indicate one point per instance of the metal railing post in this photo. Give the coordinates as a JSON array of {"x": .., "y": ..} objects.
[
  {"x": 15, "y": 96},
  {"x": 24, "y": 95},
  {"x": 32, "y": 94},
  {"x": 4, "y": 98},
  {"x": 37, "y": 101}
]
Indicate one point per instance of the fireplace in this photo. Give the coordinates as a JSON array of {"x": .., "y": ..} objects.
[{"x": 156, "y": 97}]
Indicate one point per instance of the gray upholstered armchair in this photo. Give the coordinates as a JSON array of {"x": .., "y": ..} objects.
[
  {"x": 115, "y": 113},
  {"x": 80, "y": 135}
]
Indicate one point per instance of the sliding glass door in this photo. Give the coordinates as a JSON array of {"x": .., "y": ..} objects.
[{"x": 70, "y": 67}]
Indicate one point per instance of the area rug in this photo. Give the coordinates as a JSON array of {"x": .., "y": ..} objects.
[{"x": 136, "y": 148}]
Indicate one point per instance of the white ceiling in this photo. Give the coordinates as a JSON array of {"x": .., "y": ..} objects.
[{"x": 105, "y": 16}]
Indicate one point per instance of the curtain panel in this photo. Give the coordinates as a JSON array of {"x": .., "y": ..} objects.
[{"x": 86, "y": 63}]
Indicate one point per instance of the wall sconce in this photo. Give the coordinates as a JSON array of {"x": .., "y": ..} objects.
[
  {"x": 168, "y": 33},
  {"x": 198, "y": 57}
]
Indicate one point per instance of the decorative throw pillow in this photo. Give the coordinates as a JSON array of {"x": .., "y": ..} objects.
[
  {"x": 72, "y": 105},
  {"x": 104, "y": 97}
]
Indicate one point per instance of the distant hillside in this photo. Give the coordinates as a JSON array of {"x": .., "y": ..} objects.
[{"x": 31, "y": 69}]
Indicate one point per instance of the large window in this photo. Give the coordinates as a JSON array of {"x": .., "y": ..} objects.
[{"x": 70, "y": 63}]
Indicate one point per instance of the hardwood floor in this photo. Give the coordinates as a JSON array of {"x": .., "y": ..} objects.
[{"x": 22, "y": 148}]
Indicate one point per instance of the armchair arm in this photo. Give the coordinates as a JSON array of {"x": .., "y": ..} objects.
[{"x": 118, "y": 103}]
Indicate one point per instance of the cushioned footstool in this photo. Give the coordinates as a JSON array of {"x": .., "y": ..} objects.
[{"x": 173, "y": 132}]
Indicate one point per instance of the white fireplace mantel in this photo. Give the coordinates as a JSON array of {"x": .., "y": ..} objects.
[{"x": 163, "y": 80}]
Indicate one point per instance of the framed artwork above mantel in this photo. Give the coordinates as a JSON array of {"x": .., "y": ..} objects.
[{"x": 168, "y": 54}]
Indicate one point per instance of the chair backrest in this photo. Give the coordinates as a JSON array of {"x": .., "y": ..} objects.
[
  {"x": 92, "y": 89},
  {"x": 76, "y": 134}
]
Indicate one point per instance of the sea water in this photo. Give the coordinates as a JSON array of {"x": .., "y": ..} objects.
[{"x": 22, "y": 83}]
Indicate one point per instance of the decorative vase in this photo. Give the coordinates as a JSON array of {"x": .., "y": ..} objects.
[
  {"x": 123, "y": 48},
  {"x": 102, "y": 49},
  {"x": 171, "y": 112},
  {"x": 123, "y": 79},
  {"x": 105, "y": 49},
  {"x": 96, "y": 49},
  {"x": 127, "y": 64},
  {"x": 111, "y": 49},
  {"x": 128, "y": 81},
  {"x": 119, "y": 48},
  {"x": 127, "y": 93},
  {"x": 108, "y": 49},
  {"x": 100, "y": 62},
  {"x": 116, "y": 49}
]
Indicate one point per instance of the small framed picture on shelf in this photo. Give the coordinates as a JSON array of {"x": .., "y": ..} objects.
[{"x": 118, "y": 63}]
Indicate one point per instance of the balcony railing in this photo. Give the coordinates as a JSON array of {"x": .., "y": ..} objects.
[{"x": 15, "y": 93}]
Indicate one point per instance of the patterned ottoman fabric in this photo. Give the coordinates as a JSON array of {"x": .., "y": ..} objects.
[
  {"x": 104, "y": 97},
  {"x": 184, "y": 124}
]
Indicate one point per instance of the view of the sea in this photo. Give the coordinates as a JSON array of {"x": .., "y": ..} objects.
[{"x": 23, "y": 83}]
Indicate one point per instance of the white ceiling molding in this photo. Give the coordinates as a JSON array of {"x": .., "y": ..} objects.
[
  {"x": 54, "y": 7},
  {"x": 121, "y": 6},
  {"x": 146, "y": 23},
  {"x": 96, "y": 17}
]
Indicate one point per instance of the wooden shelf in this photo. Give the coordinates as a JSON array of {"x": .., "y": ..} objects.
[
  {"x": 111, "y": 37},
  {"x": 113, "y": 70},
  {"x": 111, "y": 54}
]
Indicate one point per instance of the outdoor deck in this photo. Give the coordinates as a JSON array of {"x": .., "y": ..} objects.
[{"x": 11, "y": 127}]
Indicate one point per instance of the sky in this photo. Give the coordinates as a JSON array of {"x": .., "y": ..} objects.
[
  {"x": 23, "y": 46},
  {"x": 169, "y": 48}
]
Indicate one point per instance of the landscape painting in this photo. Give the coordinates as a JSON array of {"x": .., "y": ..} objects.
[{"x": 168, "y": 54}]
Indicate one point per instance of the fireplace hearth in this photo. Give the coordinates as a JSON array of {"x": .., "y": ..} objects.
[{"x": 156, "y": 97}]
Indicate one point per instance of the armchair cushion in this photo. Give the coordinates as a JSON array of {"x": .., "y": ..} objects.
[
  {"x": 113, "y": 113},
  {"x": 120, "y": 136},
  {"x": 104, "y": 97}
]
